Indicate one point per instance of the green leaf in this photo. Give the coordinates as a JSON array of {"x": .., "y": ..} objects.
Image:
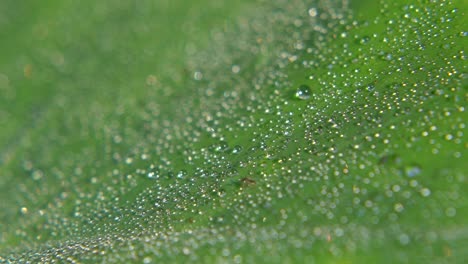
[{"x": 266, "y": 131}]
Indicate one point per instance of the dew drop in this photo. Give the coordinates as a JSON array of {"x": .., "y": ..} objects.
[
  {"x": 398, "y": 207},
  {"x": 153, "y": 174},
  {"x": 181, "y": 174},
  {"x": 412, "y": 171},
  {"x": 237, "y": 149},
  {"x": 450, "y": 212},
  {"x": 303, "y": 92},
  {"x": 24, "y": 210},
  {"x": 313, "y": 12},
  {"x": 425, "y": 192},
  {"x": 404, "y": 239},
  {"x": 364, "y": 40}
]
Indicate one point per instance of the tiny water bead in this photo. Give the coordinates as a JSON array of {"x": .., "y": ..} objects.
[
  {"x": 181, "y": 174},
  {"x": 412, "y": 170},
  {"x": 236, "y": 149},
  {"x": 364, "y": 40},
  {"x": 303, "y": 92},
  {"x": 425, "y": 192}
]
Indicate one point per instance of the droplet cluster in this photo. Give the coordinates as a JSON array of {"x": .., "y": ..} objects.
[{"x": 308, "y": 128}]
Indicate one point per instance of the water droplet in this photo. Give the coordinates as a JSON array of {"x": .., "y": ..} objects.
[
  {"x": 153, "y": 174},
  {"x": 303, "y": 92},
  {"x": 313, "y": 12},
  {"x": 237, "y": 149},
  {"x": 412, "y": 170},
  {"x": 404, "y": 239},
  {"x": 181, "y": 174},
  {"x": 398, "y": 207},
  {"x": 450, "y": 212},
  {"x": 197, "y": 76},
  {"x": 222, "y": 146},
  {"x": 425, "y": 192},
  {"x": 151, "y": 80},
  {"x": 24, "y": 210},
  {"x": 364, "y": 40},
  {"x": 235, "y": 69}
]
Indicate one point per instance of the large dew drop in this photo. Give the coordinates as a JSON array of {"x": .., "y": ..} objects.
[{"x": 303, "y": 92}]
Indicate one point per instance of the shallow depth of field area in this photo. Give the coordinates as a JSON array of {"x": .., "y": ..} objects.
[{"x": 207, "y": 131}]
